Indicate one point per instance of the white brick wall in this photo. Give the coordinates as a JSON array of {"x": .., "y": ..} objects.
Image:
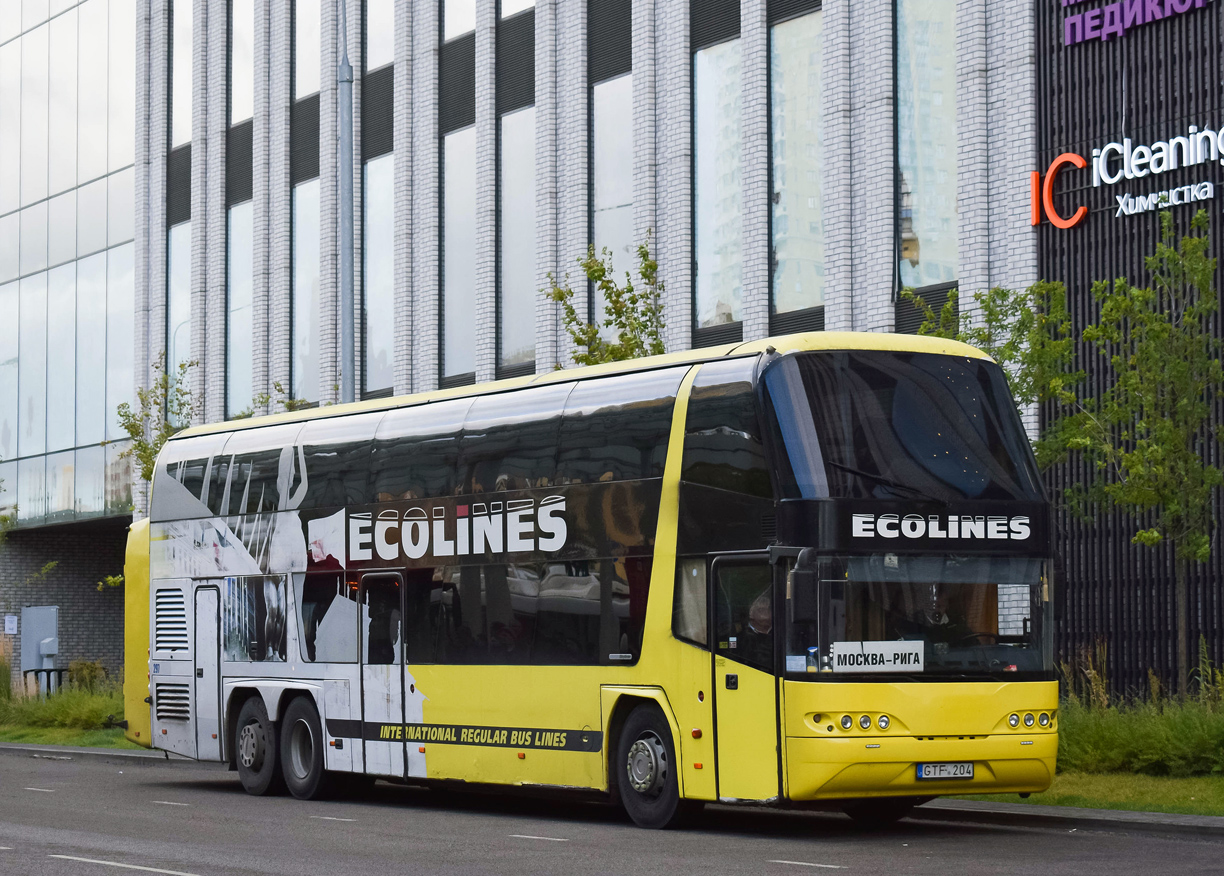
[{"x": 486, "y": 190}]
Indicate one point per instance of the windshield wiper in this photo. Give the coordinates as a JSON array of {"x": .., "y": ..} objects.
[{"x": 886, "y": 481}]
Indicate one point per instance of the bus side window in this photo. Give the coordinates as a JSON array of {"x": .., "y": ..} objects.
[
  {"x": 743, "y": 612},
  {"x": 422, "y": 615},
  {"x": 382, "y": 619},
  {"x": 689, "y": 602},
  {"x": 722, "y": 441},
  {"x": 253, "y": 621},
  {"x": 510, "y": 440},
  {"x": 327, "y": 617}
]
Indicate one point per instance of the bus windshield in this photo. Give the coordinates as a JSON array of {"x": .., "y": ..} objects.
[
  {"x": 939, "y": 617},
  {"x": 897, "y": 425}
]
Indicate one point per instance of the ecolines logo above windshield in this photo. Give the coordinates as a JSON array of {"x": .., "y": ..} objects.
[
  {"x": 480, "y": 528},
  {"x": 958, "y": 526}
]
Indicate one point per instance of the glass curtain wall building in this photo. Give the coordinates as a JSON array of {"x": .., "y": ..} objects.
[{"x": 67, "y": 150}]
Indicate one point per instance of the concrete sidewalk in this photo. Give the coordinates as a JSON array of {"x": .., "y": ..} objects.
[{"x": 1067, "y": 817}]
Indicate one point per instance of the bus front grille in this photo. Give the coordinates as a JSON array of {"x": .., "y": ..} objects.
[{"x": 172, "y": 701}]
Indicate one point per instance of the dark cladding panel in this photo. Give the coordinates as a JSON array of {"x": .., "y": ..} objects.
[
  {"x": 378, "y": 113},
  {"x": 516, "y": 62},
  {"x": 780, "y": 10},
  {"x": 457, "y": 84},
  {"x": 713, "y": 21},
  {"x": 178, "y": 186},
  {"x": 304, "y": 139},
  {"x": 609, "y": 39},
  {"x": 238, "y": 170}
]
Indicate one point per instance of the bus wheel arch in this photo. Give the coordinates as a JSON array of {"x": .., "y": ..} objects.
[
  {"x": 235, "y": 701},
  {"x": 626, "y": 700},
  {"x": 257, "y": 749},
  {"x": 647, "y": 769}
]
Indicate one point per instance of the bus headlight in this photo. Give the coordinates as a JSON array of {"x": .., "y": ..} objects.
[
  {"x": 883, "y": 722},
  {"x": 1028, "y": 719},
  {"x": 865, "y": 722},
  {"x": 847, "y": 722},
  {"x": 1044, "y": 720},
  {"x": 1013, "y": 720}
]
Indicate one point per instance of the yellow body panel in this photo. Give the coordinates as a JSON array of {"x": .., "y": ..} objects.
[
  {"x": 747, "y": 732},
  {"x": 136, "y": 635}
]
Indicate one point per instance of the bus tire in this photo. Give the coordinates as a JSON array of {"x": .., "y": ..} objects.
[
  {"x": 257, "y": 750},
  {"x": 648, "y": 772},
  {"x": 301, "y": 749},
  {"x": 880, "y": 811}
]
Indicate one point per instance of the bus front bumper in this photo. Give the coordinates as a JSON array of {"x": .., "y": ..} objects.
[{"x": 886, "y": 766}]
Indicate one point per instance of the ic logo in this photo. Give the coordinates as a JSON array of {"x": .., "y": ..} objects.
[{"x": 1041, "y": 193}]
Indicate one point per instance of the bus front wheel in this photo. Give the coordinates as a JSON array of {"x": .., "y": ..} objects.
[
  {"x": 302, "y": 752},
  {"x": 257, "y": 750},
  {"x": 647, "y": 771}
]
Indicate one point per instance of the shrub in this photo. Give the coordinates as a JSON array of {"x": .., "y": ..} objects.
[
  {"x": 1180, "y": 739},
  {"x": 72, "y": 706},
  {"x": 86, "y": 674}
]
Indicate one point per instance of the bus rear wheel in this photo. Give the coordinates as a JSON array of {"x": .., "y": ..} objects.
[
  {"x": 301, "y": 748},
  {"x": 647, "y": 768},
  {"x": 257, "y": 750}
]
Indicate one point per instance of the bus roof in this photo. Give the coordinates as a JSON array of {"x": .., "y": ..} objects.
[{"x": 782, "y": 343}]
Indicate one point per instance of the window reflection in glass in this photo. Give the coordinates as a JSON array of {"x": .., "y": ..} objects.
[
  {"x": 458, "y": 17},
  {"x": 458, "y": 251},
  {"x": 512, "y": 7},
  {"x": 307, "y": 47},
  {"x": 10, "y": 125},
  {"x": 61, "y": 359},
  {"x": 32, "y": 366},
  {"x": 798, "y": 208},
  {"x": 61, "y": 482},
  {"x": 516, "y": 235},
  {"x": 92, "y": 91},
  {"x": 61, "y": 229},
  {"x": 90, "y": 490},
  {"x": 32, "y": 12},
  {"x": 8, "y": 378},
  {"x": 91, "y": 349},
  {"x": 377, "y": 273},
  {"x": 91, "y": 217},
  {"x": 10, "y": 237},
  {"x": 239, "y": 341},
  {"x": 180, "y": 72},
  {"x": 120, "y": 207},
  {"x": 34, "y": 238},
  {"x": 379, "y": 33},
  {"x": 178, "y": 298},
  {"x": 34, "y": 89},
  {"x": 121, "y": 106},
  {"x": 306, "y": 290},
  {"x": 31, "y": 489},
  {"x": 612, "y": 157},
  {"x": 926, "y": 141},
  {"x": 242, "y": 60},
  {"x": 120, "y": 327},
  {"x": 716, "y": 215},
  {"x": 118, "y": 483},
  {"x": 63, "y": 103}
]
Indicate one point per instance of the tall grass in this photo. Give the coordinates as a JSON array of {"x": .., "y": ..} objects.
[{"x": 80, "y": 706}]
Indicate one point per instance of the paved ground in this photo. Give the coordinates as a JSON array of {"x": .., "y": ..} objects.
[{"x": 61, "y": 817}]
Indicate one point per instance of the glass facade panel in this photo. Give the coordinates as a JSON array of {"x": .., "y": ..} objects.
[
  {"x": 32, "y": 366},
  {"x": 178, "y": 297},
  {"x": 8, "y": 487},
  {"x": 239, "y": 343},
  {"x": 61, "y": 486},
  {"x": 92, "y": 19},
  {"x": 34, "y": 91},
  {"x": 121, "y": 207},
  {"x": 612, "y": 169},
  {"x": 90, "y": 491},
  {"x": 120, "y": 330},
  {"x": 10, "y": 238},
  {"x": 926, "y": 142},
  {"x": 307, "y": 47},
  {"x": 62, "y": 123},
  {"x": 10, "y": 124},
  {"x": 33, "y": 12},
  {"x": 458, "y": 252},
  {"x": 305, "y": 364},
  {"x": 458, "y": 17},
  {"x": 716, "y": 163},
  {"x": 31, "y": 490},
  {"x": 798, "y": 207},
  {"x": 61, "y": 229},
  {"x": 34, "y": 238},
  {"x": 242, "y": 60},
  {"x": 180, "y": 72},
  {"x": 379, "y": 33},
  {"x": 91, "y": 217},
  {"x": 121, "y": 106},
  {"x": 379, "y": 250},
  {"x": 91, "y": 349},
  {"x": 510, "y": 7},
  {"x": 61, "y": 356},
  {"x": 8, "y": 372},
  {"x": 516, "y": 236},
  {"x": 118, "y": 495}
]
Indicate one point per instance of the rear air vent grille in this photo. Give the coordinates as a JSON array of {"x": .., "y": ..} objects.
[
  {"x": 173, "y": 702},
  {"x": 169, "y": 620}
]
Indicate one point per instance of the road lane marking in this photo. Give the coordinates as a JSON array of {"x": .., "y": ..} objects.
[
  {"x": 331, "y": 818},
  {"x": 123, "y": 866},
  {"x": 551, "y": 839},
  {"x": 6, "y": 848},
  {"x": 168, "y": 803},
  {"x": 44, "y": 790},
  {"x": 809, "y": 864}
]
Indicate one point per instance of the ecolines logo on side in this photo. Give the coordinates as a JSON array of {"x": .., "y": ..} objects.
[
  {"x": 516, "y": 526},
  {"x": 939, "y": 526}
]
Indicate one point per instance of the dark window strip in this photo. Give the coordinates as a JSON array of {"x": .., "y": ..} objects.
[
  {"x": 178, "y": 185},
  {"x": 780, "y": 10},
  {"x": 810, "y": 319},
  {"x": 238, "y": 167},
  {"x": 609, "y": 39},
  {"x": 516, "y": 62},
  {"x": 378, "y": 112},
  {"x": 712, "y": 336},
  {"x": 712, "y": 22},
  {"x": 304, "y": 139},
  {"x": 907, "y": 318},
  {"x": 457, "y": 84},
  {"x": 523, "y": 369},
  {"x": 468, "y": 379}
]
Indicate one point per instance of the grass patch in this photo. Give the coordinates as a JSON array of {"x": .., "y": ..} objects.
[
  {"x": 1170, "y": 738},
  {"x": 1202, "y": 795},
  {"x": 72, "y": 737},
  {"x": 76, "y": 708}
]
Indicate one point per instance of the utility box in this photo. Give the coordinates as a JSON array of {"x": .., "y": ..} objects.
[{"x": 39, "y": 623}]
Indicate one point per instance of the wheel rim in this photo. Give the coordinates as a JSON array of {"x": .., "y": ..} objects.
[
  {"x": 301, "y": 749},
  {"x": 251, "y": 746},
  {"x": 647, "y": 765}
]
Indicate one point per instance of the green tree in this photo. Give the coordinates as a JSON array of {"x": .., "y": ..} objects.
[
  {"x": 634, "y": 312},
  {"x": 164, "y": 408}
]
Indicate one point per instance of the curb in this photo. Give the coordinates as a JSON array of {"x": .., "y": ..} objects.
[
  {"x": 106, "y": 755},
  {"x": 1068, "y": 818}
]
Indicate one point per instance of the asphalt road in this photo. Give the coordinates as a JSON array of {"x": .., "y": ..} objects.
[{"x": 84, "y": 817}]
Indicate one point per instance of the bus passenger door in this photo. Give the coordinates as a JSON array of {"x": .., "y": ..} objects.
[
  {"x": 745, "y": 686},
  {"x": 382, "y": 680},
  {"x": 208, "y": 673}
]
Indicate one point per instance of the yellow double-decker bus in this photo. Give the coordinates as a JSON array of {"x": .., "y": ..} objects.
[{"x": 810, "y": 570}]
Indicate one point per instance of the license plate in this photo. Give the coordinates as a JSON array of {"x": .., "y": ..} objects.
[{"x": 958, "y": 770}]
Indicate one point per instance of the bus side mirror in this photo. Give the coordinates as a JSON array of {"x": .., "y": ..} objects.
[{"x": 801, "y": 594}]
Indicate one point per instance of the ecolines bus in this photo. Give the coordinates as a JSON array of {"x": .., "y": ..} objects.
[{"x": 808, "y": 570}]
